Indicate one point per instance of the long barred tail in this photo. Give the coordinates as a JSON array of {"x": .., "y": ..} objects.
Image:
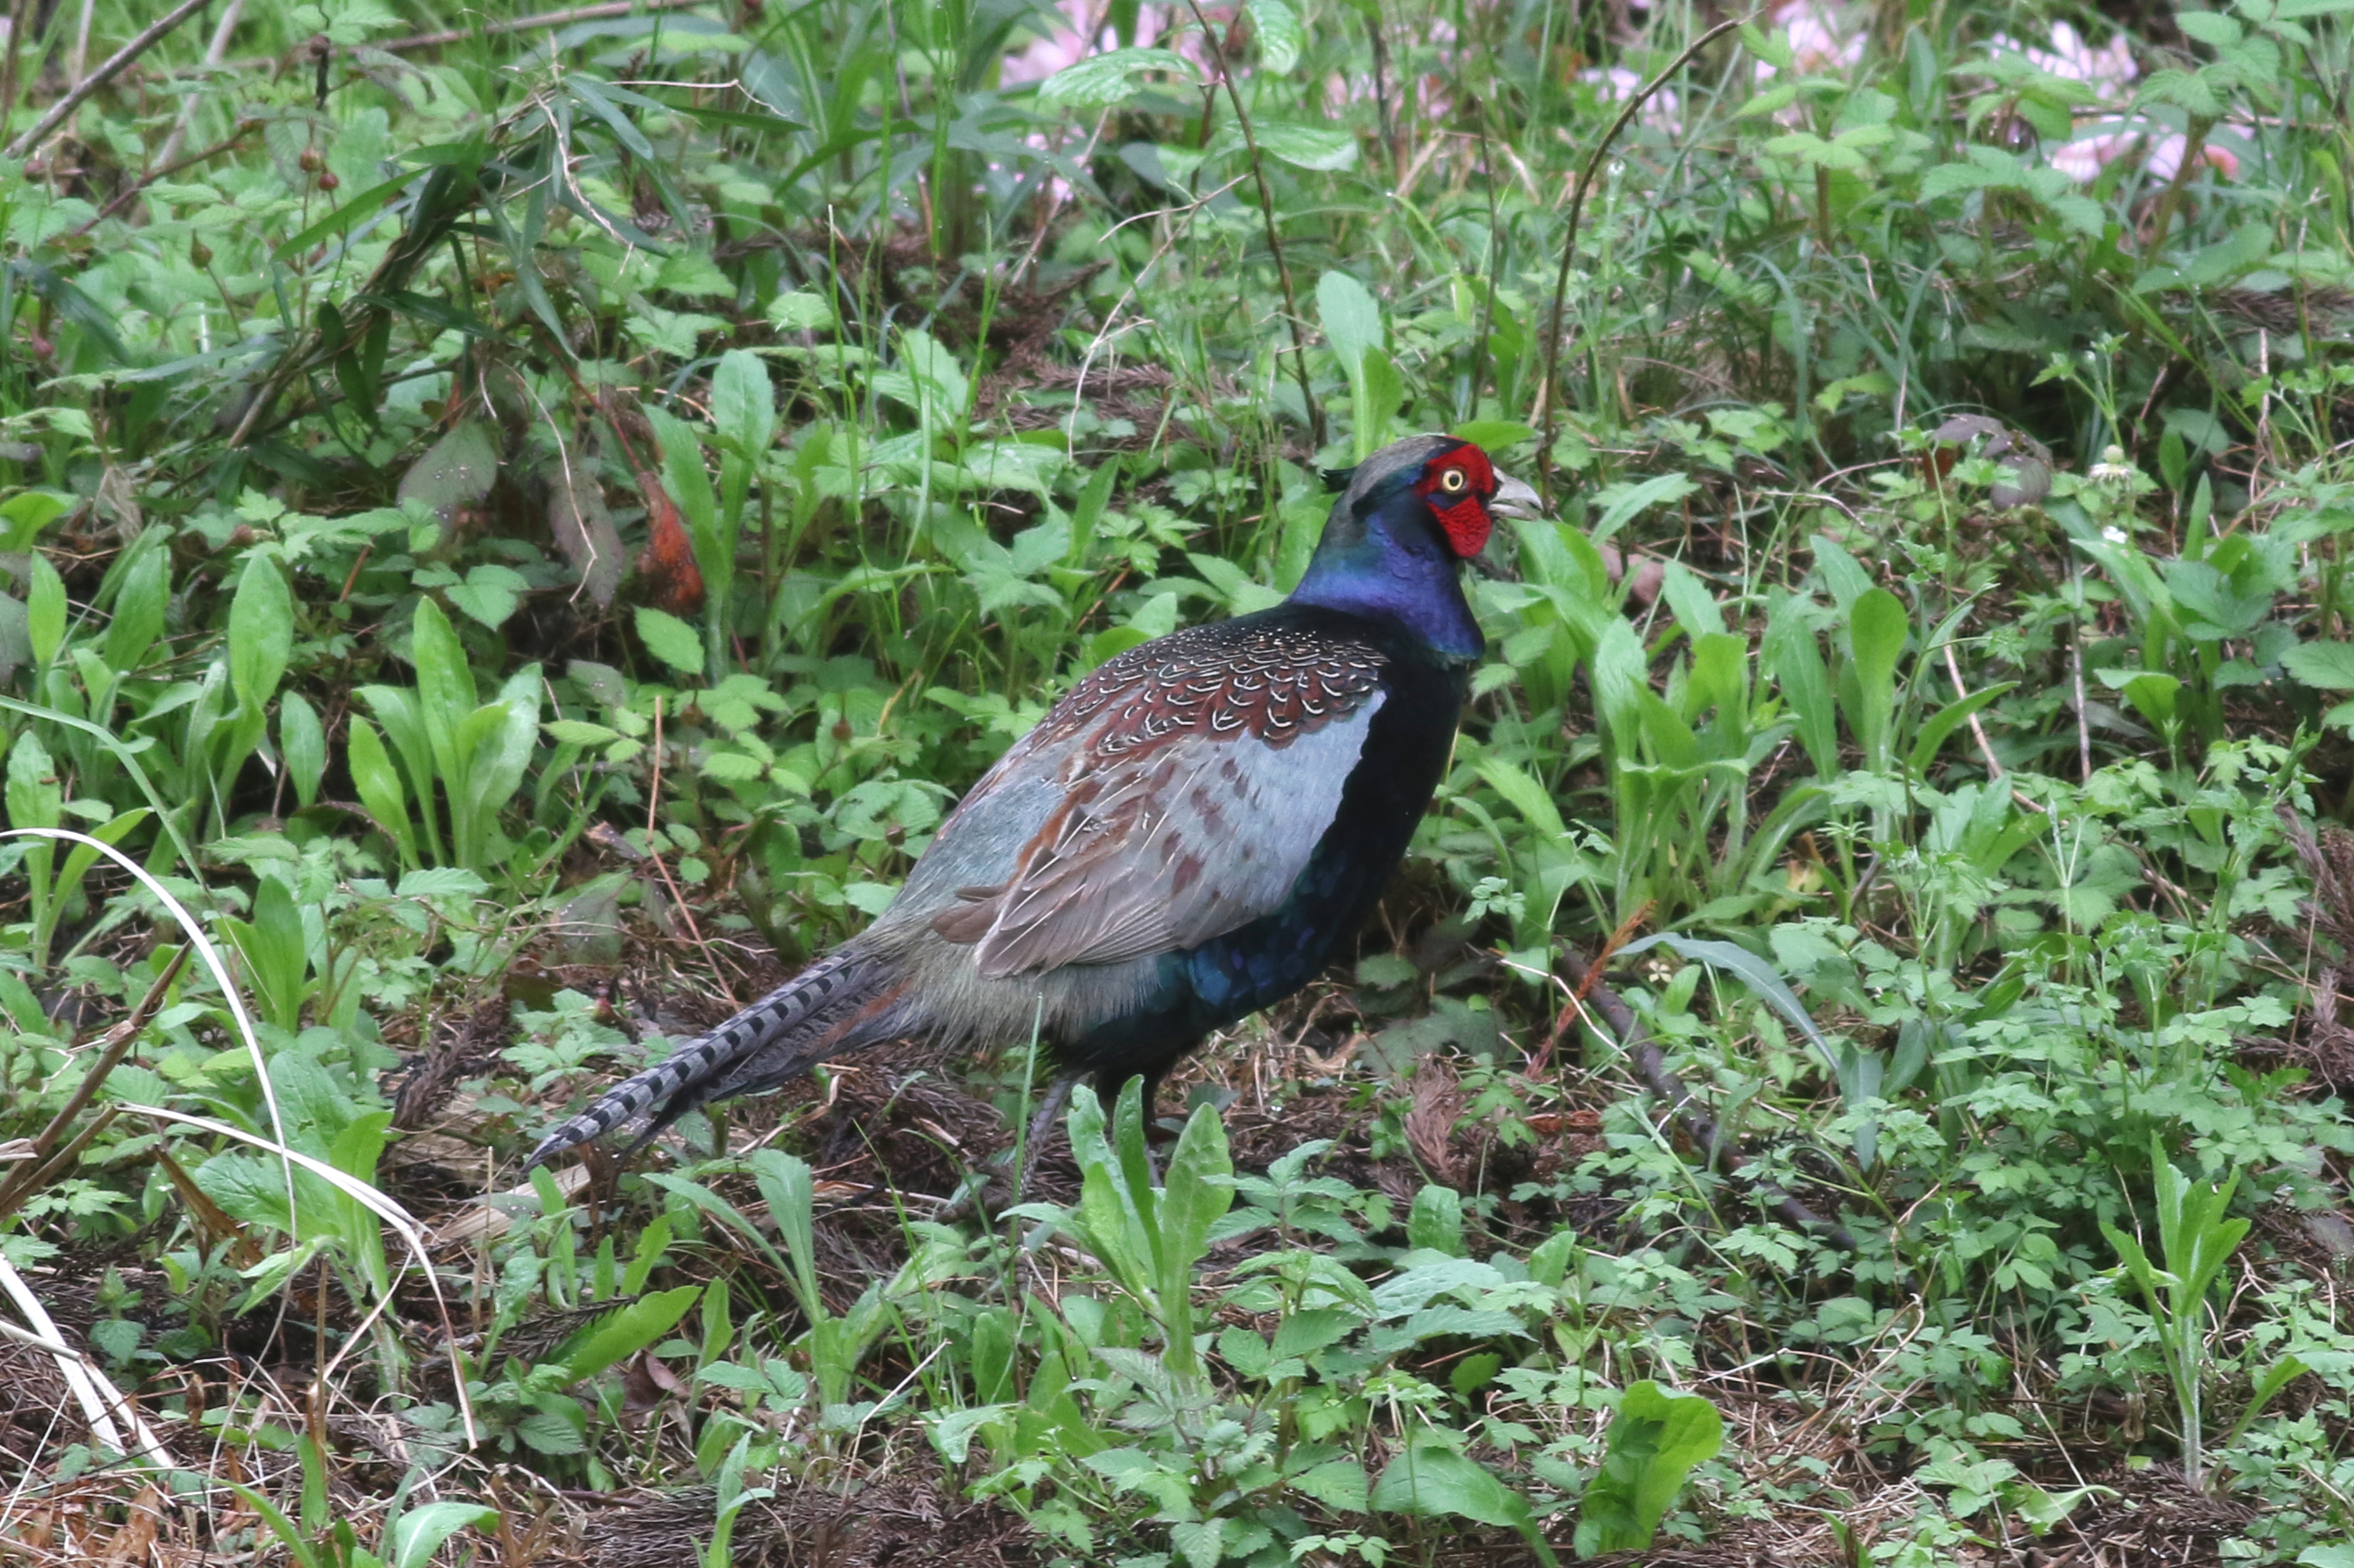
[{"x": 836, "y": 1004}]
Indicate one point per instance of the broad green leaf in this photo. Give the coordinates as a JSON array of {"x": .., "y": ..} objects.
[
  {"x": 1105, "y": 81},
  {"x": 1321, "y": 148},
  {"x": 1352, "y": 318},
  {"x": 140, "y": 602},
  {"x": 445, "y": 689},
  {"x": 1655, "y": 1439},
  {"x": 1526, "y": 796},
  {"x": 1623, "y": 503},
  {"x": 628, "y": 1331},
  {"x": 24, "y": 515},
  {"x": 1434, "y": 1223},
  {"x": 441, "y": 882},
  {"x": 1199, "y": 1190},
  {"x": 489, "y": 594},
  {"x": 261, "y": 632},
  {"x": 45, "y": 599},
  {"x": 33, "y": 797},
  {"x": 304, "y": 744},
  {"x": 744, "y": 402},
  {"x": 378, "y": 784},
  {"x": 1949, "y": 718},
  {"x": 1493, "y": 436},
  {"x": 1281, "y": 38},
  {"x": 1338, "y": 1484},
  {"x": 1432, "y": 1480},
  {"x": 1877, "y": 626},
  {"x": 417, "y": 1534},
  {"x": 1792, "y": 657},
  {"x": 454, "y": 472},
  {"x": 398, "y": 709}
]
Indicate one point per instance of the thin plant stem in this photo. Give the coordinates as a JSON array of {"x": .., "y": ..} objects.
[
  {"x": 1266, "y": 211},
  {"x": 1548, "y": 404},
  {"x": 116, "y": 63}
]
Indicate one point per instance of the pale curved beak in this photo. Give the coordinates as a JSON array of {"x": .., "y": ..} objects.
[
  {"x": 1512, "y": 499},
  {"x": 1515, "y": 499}
]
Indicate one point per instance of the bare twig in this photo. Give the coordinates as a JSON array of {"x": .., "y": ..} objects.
[
  {"x": 605, "y": 11},
  {"x": 132, "y": 192},
  {"x": 20, "y": 17},
  {"x": 654, "y": 830},
  {"x": 112, "y": 1046},
  {"x": 215, "y": 53},
  {"x": 1547, "y": 404},
  {"x": 608, "y": 11},
  {"x": 1266, "y": 211},
  {"x": 1986, "y": 748},
  {"x": 61, "y": 111},
  {"x": 2076, "y": 671},
  {"x": 1574, "y": 1008},
  {"x": 80, "y": 59},
  {"x": 1652, "y": 1066}
]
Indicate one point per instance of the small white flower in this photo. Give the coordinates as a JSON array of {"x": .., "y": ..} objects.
[{"x": 2114, "y": 535}]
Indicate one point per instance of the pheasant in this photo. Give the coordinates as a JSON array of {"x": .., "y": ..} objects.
[{"x": 1188, "y": 836}]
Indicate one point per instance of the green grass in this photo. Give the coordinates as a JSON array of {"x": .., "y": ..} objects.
[{"x": 1940, "y": 634}]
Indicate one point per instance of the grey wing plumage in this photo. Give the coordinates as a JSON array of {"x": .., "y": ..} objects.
[
  {"x": 1176, "y": 796},
  {"x": 833, "y": 1005}
]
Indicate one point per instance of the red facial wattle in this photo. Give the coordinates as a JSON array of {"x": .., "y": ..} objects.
[{"x": 1463, "y": 512}]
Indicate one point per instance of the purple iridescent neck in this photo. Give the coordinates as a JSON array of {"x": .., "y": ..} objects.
[{"x": 1391, "y": 564}]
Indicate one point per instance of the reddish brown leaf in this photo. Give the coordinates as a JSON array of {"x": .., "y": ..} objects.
[{"x": 673, "y": 582}]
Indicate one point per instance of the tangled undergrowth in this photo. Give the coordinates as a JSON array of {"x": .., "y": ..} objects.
[{"x": 519, "y": 525}]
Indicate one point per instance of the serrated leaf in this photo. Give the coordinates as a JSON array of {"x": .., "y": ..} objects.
[
  {"x": 490, "y": 593},
  {"x": 2329, "y": 666},
  {"x": 441, "y": 882},
  {"x": 671, "y": 640},
  {"x": 549, "y": 1433},
  {"x": 1339, "y": 1485}
]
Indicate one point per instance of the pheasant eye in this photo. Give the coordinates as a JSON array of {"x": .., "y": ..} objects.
[{"x": 1452, "y": 482}]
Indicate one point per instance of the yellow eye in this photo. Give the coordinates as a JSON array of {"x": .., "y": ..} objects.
[{"x": 1452, "y": 482}]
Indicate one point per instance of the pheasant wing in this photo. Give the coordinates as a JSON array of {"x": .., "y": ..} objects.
[{"x": 1194, "y": 777}]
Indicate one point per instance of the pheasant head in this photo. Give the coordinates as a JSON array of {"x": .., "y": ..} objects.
[{"x": 1410, "y": 514}]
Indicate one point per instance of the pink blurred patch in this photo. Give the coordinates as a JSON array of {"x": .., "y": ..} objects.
[
  {"x": 1068, "y": 45},
  {"x": 1616, "y": 84},
  {"x": 2106, "y": 69},
  {"x": 1826, "y": 38},
  {"x": 2160, "y": 150}
]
